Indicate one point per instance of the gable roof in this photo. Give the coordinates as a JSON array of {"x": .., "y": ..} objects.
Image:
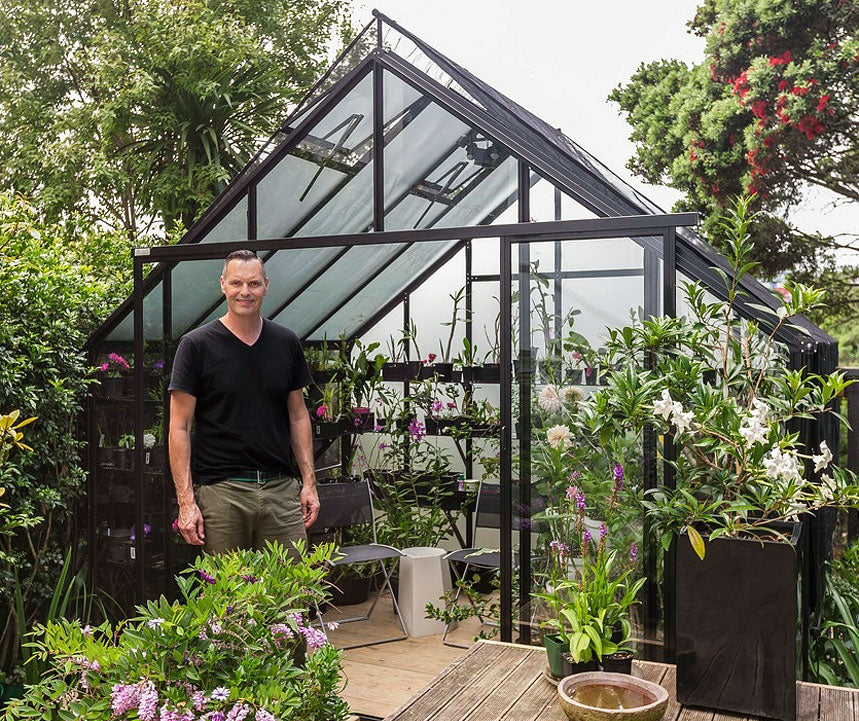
[{"x": 451, "y": 149}]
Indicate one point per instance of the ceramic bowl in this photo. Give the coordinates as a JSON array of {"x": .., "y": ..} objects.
[{"x": 652, "y": 710}]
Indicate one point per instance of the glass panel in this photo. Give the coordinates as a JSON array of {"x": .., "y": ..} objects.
[
  {"x": 324, "y": 185},
  {"x": 564, "y": 319},
  {"x": 233, "y": 226},
  {"x": 347, "y": 275},
  {"x": 289, "y": 270},
  {"x": 152, "y": 326},
  {"x": 389, "y": 284},
  {"x": 395, "y": 42},
  {"x": 195, "y": 288},
  {"x": 436, "y": 166},
  {"x": 545, "y": 206}
]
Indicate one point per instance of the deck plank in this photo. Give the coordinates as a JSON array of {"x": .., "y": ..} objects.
[
  {"x": 533, "y": 701},
  {"x": 807, "y": 702},
  {"x": 477, "y": 692},
  {"x": 468, "y": 670},
  {"x": 836, "y": 704},
  {"x": 504, "y": 695}
]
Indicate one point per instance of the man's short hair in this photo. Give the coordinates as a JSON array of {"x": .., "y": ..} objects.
[{"x": 243, "y": 254}]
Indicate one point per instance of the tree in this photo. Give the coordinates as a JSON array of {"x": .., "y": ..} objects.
[
  {"x": 138, "y": 112},
  {"x": 770, "y": 111}
]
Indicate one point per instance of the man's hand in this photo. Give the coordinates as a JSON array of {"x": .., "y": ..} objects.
[
  {"x": 309, "y": 503},
  {"x": 191, "y": 524}
]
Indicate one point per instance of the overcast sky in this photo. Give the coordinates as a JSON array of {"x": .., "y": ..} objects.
[{"x": 561, "y": 58}]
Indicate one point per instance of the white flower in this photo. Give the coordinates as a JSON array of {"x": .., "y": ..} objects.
[
  {"x": 824, "y": 459},
  {"x": 760, "y": 410},
  {"x": 827, "y": 485},
  {"x": 154, "y": 622},
  {"x": 753, "y": 431},
  {"x": 782, "y": 311},
  {"x": 782, "y": 465},
  {"x": 570, "y": 394},
  {"x": 549, "y": 400},
  {"x": 148, "y": 440},
  {"x": 664, "y": 407},
  {"x": 683, "y": 421},
  {"x": 557, "y": 436}
]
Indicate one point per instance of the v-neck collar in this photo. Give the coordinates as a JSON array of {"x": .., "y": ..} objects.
[{"x": 239, "y": 340}]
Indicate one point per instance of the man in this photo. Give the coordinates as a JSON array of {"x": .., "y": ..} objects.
[{"x": 248, "y": 475}]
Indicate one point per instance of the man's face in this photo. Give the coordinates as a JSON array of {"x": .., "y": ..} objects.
[{"x": 244, "y": 286}]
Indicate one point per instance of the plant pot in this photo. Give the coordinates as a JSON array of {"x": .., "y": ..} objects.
[
  {"x": 620, "y": 662},
  {"x": 571, "y": 667},
  {"x": 401, "y": 371},
  {"x": 154, "y": 456},
  {"x": 442, "y": 371},
  {"x": 363, "y": 419},
  {"x": 736, "y": 625},
  {"x": 550, "y": 371},
  {"x": 350, "y": 588},
  {"x": 323, "y": 376},
  {"x": 592, "y": 376},
  {"x": 555, "y": 649},
  {"x": 111, "y": 387},
  {"x": 331, "y": 429},
  {"x": 575, "y": 376},
  {"x": 486, "y": 373}
]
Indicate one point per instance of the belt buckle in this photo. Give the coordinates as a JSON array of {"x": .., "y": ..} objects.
[{"x": 260, "y": 480}]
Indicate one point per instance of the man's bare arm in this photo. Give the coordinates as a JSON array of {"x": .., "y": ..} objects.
[
  {"x": 301, "y": 438},
  {"x": 190, "y": 520}
]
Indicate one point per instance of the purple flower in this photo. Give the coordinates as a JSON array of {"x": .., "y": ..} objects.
[
  {"x": 249, "y": 578},
  {"x": 357, "y": 422},
  {"x": 206, "y": 577},
  {"x": 451, "y": 405},
  {"x": 220, "y": 694},
  {"x": 158, "y": 365},
  {"x": 617, "y": 474},
  {"x": 559, "y": 547},
  {"x": 147, "y": 707},
  {"x": 199, "y": 700},
  {"x": 104, "y": 367},
  {"x": 580, "y": 501},
  {"x": 383, "y": 446},
  {"x": 218, "y": 716},
  {"x": 437, "y": 406},
  {"x": 263, "y": 715},
  {"x": 633, "y": 553},
  {"x": 175, "y": 525},
  {"x": 416, "y": 429},
  {"x": 377, "y": 428},
  {"x": 238, "y": 712},
  {"x": 124, "y": 697},
  {"x": 315, "y": 638},
  {"x": 572, "y": 491},
  {"x": 586, "y": 537},
  {"x": 603, "y": 531}
]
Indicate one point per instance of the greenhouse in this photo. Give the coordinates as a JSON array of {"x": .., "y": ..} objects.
[{"x": 451, "y": 264}]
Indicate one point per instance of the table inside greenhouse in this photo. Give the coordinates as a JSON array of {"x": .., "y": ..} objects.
[{"x": 504, "y": 682}]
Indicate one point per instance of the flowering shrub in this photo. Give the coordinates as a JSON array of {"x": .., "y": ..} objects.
[
  {"x": 724, "y": 389},
  {"x": 233, "y": 649}
]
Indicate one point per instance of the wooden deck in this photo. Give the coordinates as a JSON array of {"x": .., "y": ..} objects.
[
  {"x": 504, "y": 682},
  {"x": 380, "y": 679}
]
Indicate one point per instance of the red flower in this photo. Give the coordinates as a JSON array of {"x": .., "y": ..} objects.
[
  {"x": 783, "y": 85},
  {"x": 799, "y": 90},
  {"x": 759, "y": 109},
  {"x": 692, "y": 155},
  {"x": 782, "y": 59},
  {"x": 431, "y": 358},
  {"x": 822, "y": 104}
]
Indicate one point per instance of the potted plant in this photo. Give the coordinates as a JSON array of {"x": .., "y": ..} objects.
[
  {"x": 741, "y": 472},
  {"x": 443, "y": 369},
  {"x": 113, "y": 376}
]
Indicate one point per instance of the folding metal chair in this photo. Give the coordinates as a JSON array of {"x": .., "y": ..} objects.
[
  {"x": 350, "y": 504},
  {"x": 487, "y": 514}
]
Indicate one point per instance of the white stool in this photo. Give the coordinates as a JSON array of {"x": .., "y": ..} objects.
[{"x": 424, "y": 577}]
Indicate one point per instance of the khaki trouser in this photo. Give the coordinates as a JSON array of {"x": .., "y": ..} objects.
[{"x": 246, "y": 514}]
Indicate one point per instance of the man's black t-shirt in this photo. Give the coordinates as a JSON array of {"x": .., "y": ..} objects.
[{"x": 241, "y": 416}]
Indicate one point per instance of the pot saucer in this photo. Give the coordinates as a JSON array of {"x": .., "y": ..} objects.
[{"x": 547, "y": 674}]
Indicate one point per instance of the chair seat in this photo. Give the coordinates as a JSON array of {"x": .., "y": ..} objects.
[
  {"x": 363, "y": 554},
  {"x": 474, "y": 557}
]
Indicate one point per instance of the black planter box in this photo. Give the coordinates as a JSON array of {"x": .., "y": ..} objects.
[
  {"x": 405, "y": 371},
  {"x": 487, "y": 373},
  {"x": 737, "y": 626},
  {"x": 444, "y": 426},
  {"x": 331, "y": 429}
]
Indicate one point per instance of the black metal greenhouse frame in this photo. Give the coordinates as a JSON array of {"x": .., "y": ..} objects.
[{"x": 541, "y": 152}]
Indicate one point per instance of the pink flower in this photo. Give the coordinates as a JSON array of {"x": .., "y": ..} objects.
[
  {"x": 321, "y": 411},
  {"x": 431, "y": 358}
]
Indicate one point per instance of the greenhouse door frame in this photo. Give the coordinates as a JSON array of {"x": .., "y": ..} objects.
[{"x": 660, "y": 232}]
